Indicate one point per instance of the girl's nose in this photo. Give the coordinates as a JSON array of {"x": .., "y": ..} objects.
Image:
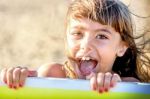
[{"x": 86, "y": 45}]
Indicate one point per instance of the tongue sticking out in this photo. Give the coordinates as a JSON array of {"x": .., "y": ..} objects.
[{"x": 86, "y": 67}]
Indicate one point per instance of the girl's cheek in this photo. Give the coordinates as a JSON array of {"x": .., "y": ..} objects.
[
  {"x": 71, "y": 43},
  {"x": 72, "y": 50},
  {"x": 71, "y": 46}
]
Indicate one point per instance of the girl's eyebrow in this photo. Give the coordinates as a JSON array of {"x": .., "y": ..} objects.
[
  {"x": 79, "y": 27},
  {"x": 105, "y": 30}
]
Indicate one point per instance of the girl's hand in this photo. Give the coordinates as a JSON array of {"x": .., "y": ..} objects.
[
  {"x": 15, "y": 77},
  {"x": 102, "y": 82}
]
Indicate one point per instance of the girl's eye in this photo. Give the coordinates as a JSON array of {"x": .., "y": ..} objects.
[
  {"x": 76, "y": 35},
  {"x": 101, "y": 36}
]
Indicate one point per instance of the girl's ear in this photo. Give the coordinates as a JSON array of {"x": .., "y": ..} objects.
[{"x": 122, "y": 49}]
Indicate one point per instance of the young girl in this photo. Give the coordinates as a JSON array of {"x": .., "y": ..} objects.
[{"x": 99, "y": 45}]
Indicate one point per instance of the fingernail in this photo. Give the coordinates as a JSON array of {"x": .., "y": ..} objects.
[
  {"x": 10, "y": 85},
  {"x": 15, "y": 87},
  {"x": 20, "y": 85},
  {"x": 101, "y": 90},
  {"x": 106, "y": 89}
]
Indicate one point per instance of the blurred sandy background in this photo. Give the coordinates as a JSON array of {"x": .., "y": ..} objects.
[{"x": 31, "y": 31}]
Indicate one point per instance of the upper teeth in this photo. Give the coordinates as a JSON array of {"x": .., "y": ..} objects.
[{"x": 85, "y": 58}]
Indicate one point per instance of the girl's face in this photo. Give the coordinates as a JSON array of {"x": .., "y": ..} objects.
[{"x": 94, "y": 46}]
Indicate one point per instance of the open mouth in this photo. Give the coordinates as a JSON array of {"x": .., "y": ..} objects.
[{"x": 87, "y": 66}]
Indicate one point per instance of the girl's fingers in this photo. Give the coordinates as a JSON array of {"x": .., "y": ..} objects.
[
  {"x": 3, "y": 75},
  {"x": 115, "y": 78},
  {"x": 23, "y": 75},
  {"x": 100, "y": 82},
  {"x": 103, "y": 81},
  {"x": 9, "y": 77},
  {"x": 107, "y": 81},
  {"x": 16, "y": 76},
  {"x": 93, "y": 82}
]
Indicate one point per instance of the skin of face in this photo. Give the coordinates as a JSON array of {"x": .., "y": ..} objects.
[{"x": 86, "y": 38}]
